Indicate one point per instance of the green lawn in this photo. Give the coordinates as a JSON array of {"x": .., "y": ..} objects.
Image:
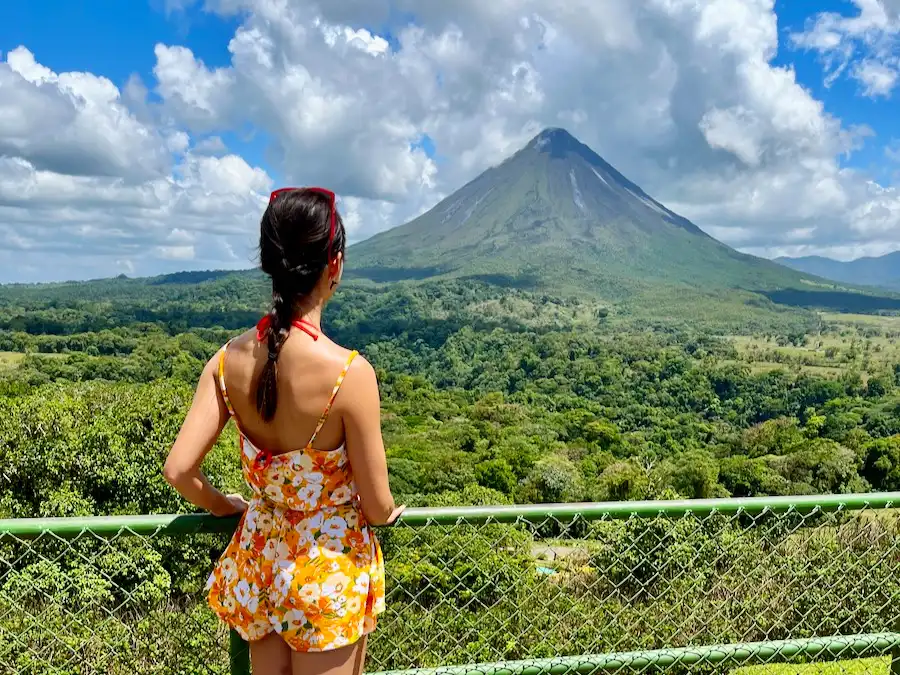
[
  {"x": 879, "y": 666},
  {"x": 869, "y": 345},
  {"x": 8, "y": 359},
  {"x": 13, "y": 358},
  {"x": 863, "y": 319}
]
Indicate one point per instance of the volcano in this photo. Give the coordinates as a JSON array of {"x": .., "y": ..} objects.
[{"x": 556, "y": 215}]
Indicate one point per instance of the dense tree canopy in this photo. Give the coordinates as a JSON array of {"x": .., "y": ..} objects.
[{"x": 537, "y": 397}]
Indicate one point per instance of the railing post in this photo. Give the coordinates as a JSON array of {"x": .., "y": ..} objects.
[{"x": 239, "y": 654}]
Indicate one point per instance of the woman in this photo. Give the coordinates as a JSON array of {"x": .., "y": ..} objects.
[{"x": 303, "y": 576}]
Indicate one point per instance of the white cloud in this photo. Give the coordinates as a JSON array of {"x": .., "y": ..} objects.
[
  {"x": 177, "y": 252},
  {"x": 87, "y": 189},
  {"x": 92, "y": 183},
  {"x": 349, "y": 130},
  {"x": 173, "y": 6},
  {"x": 73, "y": 123},
  {"x": 65, "y": 225},
  {"x": 213, "y": 145},
  {"x": 195, "y": 93},
  {"x": 680, "y": 95},
  {"x": 865, "y": 46},
  {"x": 877, "y": 78},
  {"x": 892, "y": 150}
]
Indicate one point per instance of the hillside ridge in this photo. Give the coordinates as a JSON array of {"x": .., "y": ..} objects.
[{"x": 881, "y": 271}]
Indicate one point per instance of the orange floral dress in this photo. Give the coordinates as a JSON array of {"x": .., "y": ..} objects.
[{"x": 303, "y": 561}]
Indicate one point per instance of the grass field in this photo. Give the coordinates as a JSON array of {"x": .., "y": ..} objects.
[
  {"x": 890, "y": 322},
  {"x": 869, "y": 345},
  {"x": 768, "y": 366},
  {"x": 8, "y": 359},
  {"x": 880, "y": 666}
]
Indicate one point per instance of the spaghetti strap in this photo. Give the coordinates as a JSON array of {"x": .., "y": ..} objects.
[
  {"x": 221, "y": 379},
  {"x": 334, "y": 393}
]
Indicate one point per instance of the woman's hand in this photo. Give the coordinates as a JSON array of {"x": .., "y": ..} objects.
[
  {"x": 237, "y": 504},
  {"x": 395, "y": 514}
]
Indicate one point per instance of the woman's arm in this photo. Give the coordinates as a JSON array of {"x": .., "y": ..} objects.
[
  {"x": 199, "y": 432},
  {"x": 365, "y": 447}
]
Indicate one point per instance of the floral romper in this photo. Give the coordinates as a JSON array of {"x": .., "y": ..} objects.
[{"x": 303, "y": 562}]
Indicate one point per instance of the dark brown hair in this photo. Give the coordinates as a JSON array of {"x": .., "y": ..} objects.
[{"x": 294, "y": 246}]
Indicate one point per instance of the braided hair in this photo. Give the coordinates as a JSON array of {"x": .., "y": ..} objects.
[{"x": 293, "y": 250}]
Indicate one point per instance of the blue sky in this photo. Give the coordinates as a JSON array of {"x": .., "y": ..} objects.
[
  {"x": 116, "y": 39},
  {"x": 432, "y": 98},
  {"x": 841, "y": 98}
]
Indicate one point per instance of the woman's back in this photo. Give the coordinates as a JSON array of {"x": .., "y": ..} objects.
[
  {"x": 326, "y": 422},
  {"x": 308, "y": 372},
  {"x": 303, "y": 478}
]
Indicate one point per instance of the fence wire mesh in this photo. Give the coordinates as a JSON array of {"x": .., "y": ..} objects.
[{"x": 646, "y": 593}]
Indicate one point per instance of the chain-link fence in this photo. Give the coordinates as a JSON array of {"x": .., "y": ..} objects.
[{"x": 703, "y": 586}]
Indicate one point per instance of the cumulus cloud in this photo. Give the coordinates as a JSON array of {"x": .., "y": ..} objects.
[
  {"x": 289, "y": 80},
  {"x": 64, "y": 226},
  {"x": 212, "y": 145},
  {"x": 87, "y": 189},
  {"x": 73, "y": 123},
  {"x": 681, "y": 95},
  {"x": 864, "y": 46}
]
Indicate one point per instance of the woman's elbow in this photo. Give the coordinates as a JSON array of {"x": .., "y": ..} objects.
[{"x": 173, "y": 473}]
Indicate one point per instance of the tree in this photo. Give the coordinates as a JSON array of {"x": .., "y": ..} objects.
[
  {"x": 496, "y": 474},
  {"x": 773, "y": 437},
  {"x": 882, "y": 463},
  {"x": 553, "y": 479},
  {"x": 879, "y": 386},
  {"x": 695, "y": 475},
  {"x": 819, "y": 466},
  {"x": 623, "y": 481},
  {"x": 745, "y": 477}
]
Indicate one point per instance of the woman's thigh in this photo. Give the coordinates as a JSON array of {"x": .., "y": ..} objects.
[
  {"x": 270, "y": 656},
  {"x": 344, "y": 661}
]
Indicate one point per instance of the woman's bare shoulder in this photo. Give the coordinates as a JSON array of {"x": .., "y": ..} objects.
[
  {"x": 336, "y": 353},
  {"x": 244, "y": 342},
  {"x": 322, "y": 362},
  {"x": 360, "y": 373}
]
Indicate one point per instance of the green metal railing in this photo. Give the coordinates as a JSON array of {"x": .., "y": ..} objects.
[{"x": 669, "y": 586}]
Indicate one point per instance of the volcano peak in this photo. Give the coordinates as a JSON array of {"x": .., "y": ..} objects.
[
  {"x": 555, "y": 140},
  {"x": 558, "y": 213}
]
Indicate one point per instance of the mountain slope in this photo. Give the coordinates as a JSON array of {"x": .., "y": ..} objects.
[
  {"x": 556, "y": 215},
  {"x": 882, "y": 271}
]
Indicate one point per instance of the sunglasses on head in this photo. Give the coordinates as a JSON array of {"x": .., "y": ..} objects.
[{"x": 331, "y": 201}]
